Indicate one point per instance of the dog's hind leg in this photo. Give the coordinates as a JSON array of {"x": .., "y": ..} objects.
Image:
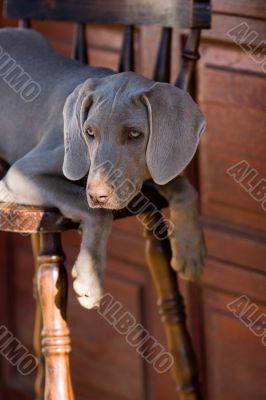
[{"x": 186, "y": 238}]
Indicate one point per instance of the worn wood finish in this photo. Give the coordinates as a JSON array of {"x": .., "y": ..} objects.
[
  {"x": 25, "y": 219},
  {"x": 184, "y": 14},
  {"x": 38, "y": 322},
  {"x": 172, "y": 311},
  {"x": 30, "y": 219},
  {"x": 231, "y": 90},
  {"x": 34, "y": 219},
  {"x": 52, "y": 292}
]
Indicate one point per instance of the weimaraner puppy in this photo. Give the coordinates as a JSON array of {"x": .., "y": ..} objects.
[{"x": 61, "y": 121}]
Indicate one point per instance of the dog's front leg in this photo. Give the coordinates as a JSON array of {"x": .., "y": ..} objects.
[
  {"x": 22, "y": 187},
  {"x": 186, "y": 237},
  {"x": 88, "y": 271}
]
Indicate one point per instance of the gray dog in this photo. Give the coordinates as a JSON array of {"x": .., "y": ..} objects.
[{"x": 62, "y": 121}]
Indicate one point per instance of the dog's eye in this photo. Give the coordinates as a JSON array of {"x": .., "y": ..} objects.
[
  {"x": 90, "y": 131},
  {"x": 134, "y": 134}
]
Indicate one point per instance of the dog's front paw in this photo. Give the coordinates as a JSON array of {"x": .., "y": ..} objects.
[
  {"x": 87, "y": 286},
  {"x": 188, "y": 252}
]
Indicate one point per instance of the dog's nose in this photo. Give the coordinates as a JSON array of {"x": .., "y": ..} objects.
[{"x": 100, "y": 195}]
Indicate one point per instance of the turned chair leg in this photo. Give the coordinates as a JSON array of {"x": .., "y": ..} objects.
[
  {"x": 40, "y": 376},
  {"x": 52, "y": 292},
  {"x": 172, "y": 311}
]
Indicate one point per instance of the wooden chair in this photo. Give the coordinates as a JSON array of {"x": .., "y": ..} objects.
[{"x": 51, "y": 337}]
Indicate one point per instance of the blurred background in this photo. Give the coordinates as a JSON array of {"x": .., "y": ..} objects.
[{"x": 230, "y": 86}]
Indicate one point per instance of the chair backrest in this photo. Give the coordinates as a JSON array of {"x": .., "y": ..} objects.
[
  {"x": 192, "y": 14},
  {"x": 171, "y": 13}
]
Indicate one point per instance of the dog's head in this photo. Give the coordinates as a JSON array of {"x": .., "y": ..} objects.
[{"x": 123, "y": 129}]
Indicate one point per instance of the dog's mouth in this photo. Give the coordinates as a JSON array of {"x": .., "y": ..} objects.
[{"x": 110, "y": 205}]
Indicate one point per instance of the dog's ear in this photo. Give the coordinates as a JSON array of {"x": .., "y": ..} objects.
[
  {"x": 76, "y": 160},
  {"x": 176, "y": 124}
]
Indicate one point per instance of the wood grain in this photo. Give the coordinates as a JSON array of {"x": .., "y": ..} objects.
[
  {"x": 179, "y": 13},
  {"x": 249, "y": 8},
  {"x": 231, "y": 358},
  {"x": 29, "y": 219},
  {"x": 38, "y": 322},
  {"x": 52, "y": 292},
  {"x": 172, "y": 312}
]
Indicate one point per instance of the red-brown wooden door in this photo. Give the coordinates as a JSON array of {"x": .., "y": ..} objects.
[{"x": 230, "y": 86}]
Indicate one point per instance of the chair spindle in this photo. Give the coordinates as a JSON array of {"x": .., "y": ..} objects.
[
  {"x": 190, "y": 56},
  {"x": 80, "y": 52},
  {"x": 172, "y": 312},
  {"x": 25, "y": 23},
  {"x": 163, "y": 64},
  {"x": 127, "y": 60}
]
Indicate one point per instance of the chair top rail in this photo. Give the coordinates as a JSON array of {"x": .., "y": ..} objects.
[{"x": 168, "y": 13}]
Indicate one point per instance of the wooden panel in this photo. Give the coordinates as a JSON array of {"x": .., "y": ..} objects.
[
  {"x": 166, "y": 12},
  {"x": 16, "y": 277},
  {"x": 230, "y": 88},
  {"x": 237, "y": 101},
  {"x": 103, "y": 364},
  {"x": 5, "y": 316},
  {"x": 224, "y": 198},
  {"x": 105, "y": 368},
  {"x": 249, "y": 8},
  {"x": 236, "y": 362},
  {"x": 236, "y": 280},
  {"x": 108, "y": 356},
  {"x": 4, "y": 21},
  {"x": 103, "y": 43},
  {"x": 248, "y": 251},
  {"x": 223, "y": 23}
]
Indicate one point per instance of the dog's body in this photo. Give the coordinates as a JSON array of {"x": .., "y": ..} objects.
[
  {"x": 57, "y": 76},
  {"x": 81, "y": 118}
]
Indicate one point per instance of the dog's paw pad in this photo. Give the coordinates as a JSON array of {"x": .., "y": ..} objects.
[
  {"x": 192, "y": 270},
  {"x": 89, "y": 302},
  {"x": 89, "y": 292},
  {"x": 188, "y": 259},
  {"x": 80, "y": 288}
]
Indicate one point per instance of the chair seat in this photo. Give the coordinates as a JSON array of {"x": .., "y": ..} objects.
[{"x": 29, "y": 219}]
